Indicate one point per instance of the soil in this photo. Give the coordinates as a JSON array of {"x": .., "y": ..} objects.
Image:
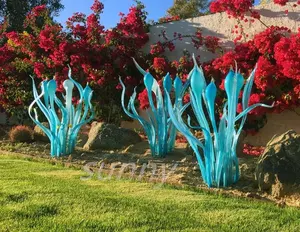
[{"x": 179, "y": 168}]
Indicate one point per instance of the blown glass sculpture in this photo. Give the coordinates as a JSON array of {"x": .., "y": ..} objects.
[
  {"x": 217, "y": 160},
  {"x": 159, "y": 128},
  {"x": 63, "y": 132}
]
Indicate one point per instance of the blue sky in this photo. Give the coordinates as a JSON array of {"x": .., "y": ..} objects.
[
  {"x": 112, "y": 8},
  {"x": 155, "y": 8}
]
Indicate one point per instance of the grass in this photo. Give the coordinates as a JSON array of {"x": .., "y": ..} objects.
[{"x": 43, "y": 197}]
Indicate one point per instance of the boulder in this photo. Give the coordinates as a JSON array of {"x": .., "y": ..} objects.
[
  {"x": 279, "y": 165},
  {"x": 83, "y": 135},
  {"x": 109, "y": 137},
  {"x": 82, "y": 138},
  {"x": 39, "y": 134}
]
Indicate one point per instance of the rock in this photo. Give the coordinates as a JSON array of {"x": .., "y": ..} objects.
[
  {"x": 104, "y": 161},
  {"x": 116, "y": 165},
  {"x": 138, "y": 148},
  {"x": 83, "y": 136},
  {"x": 93, "y": 135},
  {"x": 109, "y": 137},
  {"x": 196, "y": 168},
  {"x": 183, "y": 160},
  {"x": 147, "y": 152},
  {"x": 39, "y": 134},
  {"x": 253, "y": 195},
  {"x": 81, "y": 139},
  {"x": 186, "y": 159},
  {"x": 280, "y": 163},
  {"x": 142, "y": 161},
  {"x": 47, "y": 146},
  {"x": 70, "y": 158},
  {"x": 278, "y": 189},
  {"x": 189, "y": 158},
  {"x": 128, "y": 149},
  {"x": 281, "y": 203}
]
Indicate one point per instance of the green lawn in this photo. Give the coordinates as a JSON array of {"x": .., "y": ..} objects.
[{"x": 42, "y": 197}]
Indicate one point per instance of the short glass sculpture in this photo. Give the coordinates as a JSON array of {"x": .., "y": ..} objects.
[
  {"x": 159, "y": 128},
  {"x": 216, "y": 154},
  {"x": 63, "y": 129}
]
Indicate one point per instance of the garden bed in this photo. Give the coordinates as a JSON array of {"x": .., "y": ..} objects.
[{"x": 120, "y": 163}]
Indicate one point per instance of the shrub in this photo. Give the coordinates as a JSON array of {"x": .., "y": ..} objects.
[
  {"x": 21, "y": 134},
  {"x": 96, "y": 55}
]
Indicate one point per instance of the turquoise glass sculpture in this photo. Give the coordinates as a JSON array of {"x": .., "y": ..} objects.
[
  {"x": 159, "y": 128},
  {"x": 216, "y": 154},
  {"x": 63, "y": 130}
]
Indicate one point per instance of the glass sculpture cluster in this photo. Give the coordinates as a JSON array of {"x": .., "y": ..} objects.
[
  {"x": 216, "y": 152},
  {"x": 159, "y": 128},
  {"x": 64, "y": 120}
]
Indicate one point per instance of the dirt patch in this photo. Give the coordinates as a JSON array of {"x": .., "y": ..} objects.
[{"x": 136, "y": 162}]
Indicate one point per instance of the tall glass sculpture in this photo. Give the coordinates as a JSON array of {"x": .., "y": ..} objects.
[
  {"x": 63, "y": 130},
  {"x": 159, "y": 128},
  {"x": 217, "y": 156}
]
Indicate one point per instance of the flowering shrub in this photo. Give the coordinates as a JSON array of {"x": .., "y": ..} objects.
[
  {"x": 96, "y": 55},
  {"x": 281, "y": 2},
  {"x": 167, "y": 19},
  {"x": 277, "y": 76},
  {"x": 240, "y": 8},
  {"x": 253, "y": 150},
  {"x": 234, "y": 8},
  {"x": 287, "y": 55}
]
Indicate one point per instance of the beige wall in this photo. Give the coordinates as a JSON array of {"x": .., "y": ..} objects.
[
  {"x": 276, "y": 124},
  {"x": 220, "y": 25}
]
